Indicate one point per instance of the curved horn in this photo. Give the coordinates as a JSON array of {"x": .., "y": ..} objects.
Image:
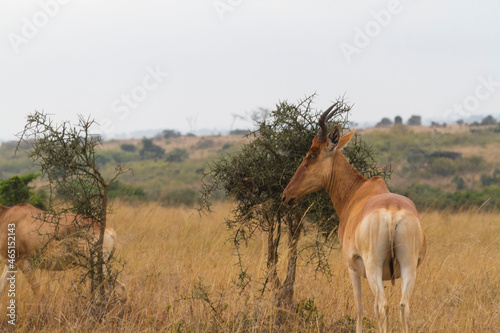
[{"x": 327, "y": 115}]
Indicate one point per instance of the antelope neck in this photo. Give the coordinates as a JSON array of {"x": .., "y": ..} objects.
[{"x": 343, "y": 183}]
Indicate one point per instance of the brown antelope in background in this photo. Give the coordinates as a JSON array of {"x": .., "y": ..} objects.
[
  {"x": 379, "y": 231},
  {"x": 32, "y": 235}
]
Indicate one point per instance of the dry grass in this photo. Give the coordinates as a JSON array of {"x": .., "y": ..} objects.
[
  {"x": 182, "y": 277},
  {"x": 490, "y": 152},
  {"x": 188, "y": 143},
  {"x": 452, "y": 129}
]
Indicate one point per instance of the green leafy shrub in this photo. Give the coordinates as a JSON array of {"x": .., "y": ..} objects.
[
  {"x": 426, "y": 196},
  {"x": 308, "y": 311},
  {"x": 122, "y": 190},
  {"x": 442, "y": 166},
  {"x": 488, "y": 120},
  {"x": 422, "y": 195},
  {"x": 169, "y": 134},
  {"x": 130, "y": 148},
  {"x": 487, "y": 180},
  {"x": 471, "y": 164},
  {"x": 177, "y": 155},
  {"x": 114, "y": 157},
  {"x": 460, "y": 183},
  {"x": 150, "y": 150},
  {"x": 415, "y": 120},
  {"x": 226, "y": 146},
  {"x": 16, "y": 190},
  {"x": 239, "y": 132}
]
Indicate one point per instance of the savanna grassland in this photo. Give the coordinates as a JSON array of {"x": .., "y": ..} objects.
[
  {"x": 181, "y": 268},
  {"x": 181, "y": 276}
]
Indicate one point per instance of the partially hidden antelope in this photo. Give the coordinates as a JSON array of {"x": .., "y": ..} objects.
[
  {"x": 31, "y": 235},
  {"x": 379, "y": 231}
]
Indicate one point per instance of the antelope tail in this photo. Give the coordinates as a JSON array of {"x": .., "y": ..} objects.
[{"x": 392, "y": 224}]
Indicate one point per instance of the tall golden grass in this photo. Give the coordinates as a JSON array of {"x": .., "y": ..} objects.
[{"x": 182, "y": 274}]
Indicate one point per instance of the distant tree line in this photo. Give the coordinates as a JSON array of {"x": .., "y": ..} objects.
[
  {"x": 412, "y": 121},
  {"x": 415, "y": 120}
]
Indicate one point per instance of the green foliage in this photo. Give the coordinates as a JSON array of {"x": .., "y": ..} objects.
[
  {"x": 487, "y": 180},
  {"x": 177, "y": 155},
  {"x": 385, "y": 122},
  {"x": 426, "y": 196},
  {"x": 308, "y": 311},
  {"x": 442, "y": 166},
  {"x": 226, "y": 146},
  {"x": 67, "y": 156},
  {"x": 415, "y": 121},
  {"x": 239, "y": 132},
  {"x": 114, "y": 157},
  {"x": 150, "y": 150},
  {"x": 128, "y": 147},
  {"x": 16, "y": 190},
  {"x": 488, "y": 120},
  {"x": 122, "y": 190},
  {"x": 472, "y": 164},
  {"x": 169, "y": 134},
  {"x": 415, "y": 155},
  {"x": 460, "y": 183},
  {"x": 12, "y": 164},
  {"x": 257, "y": 174}
]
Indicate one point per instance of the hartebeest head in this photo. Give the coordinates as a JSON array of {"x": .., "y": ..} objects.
[{"x": 315, "y": 171}]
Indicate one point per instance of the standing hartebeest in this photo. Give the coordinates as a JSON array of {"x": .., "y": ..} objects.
[
  {"x": 22, "y": 228},
  {"x": 379, "y": 231}
]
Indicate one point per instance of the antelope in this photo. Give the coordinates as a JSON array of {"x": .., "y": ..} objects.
[
  {"x": 22, "y": 228},
  {"x": 379, "y": 231}
]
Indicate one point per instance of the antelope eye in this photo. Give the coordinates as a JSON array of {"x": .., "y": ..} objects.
[{"x": 312, "y": 156}]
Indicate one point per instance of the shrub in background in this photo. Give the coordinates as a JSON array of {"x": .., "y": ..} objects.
[
  {"x": 169, "y": 134},
  {"x": 128, "y": 147},
  {"x": 150, "y": 150},
  {"x": 16, "y": 190},
  {"x": 177, "y": 155},
  {"x": 122, "y": 190}
]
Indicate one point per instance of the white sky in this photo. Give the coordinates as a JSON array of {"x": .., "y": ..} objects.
[{"x": 227, "y": 57}]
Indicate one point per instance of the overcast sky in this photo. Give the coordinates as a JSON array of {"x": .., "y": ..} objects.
[{"x": 193, "y": 65}]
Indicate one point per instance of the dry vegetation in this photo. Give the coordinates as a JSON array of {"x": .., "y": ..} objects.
[
  {"x": 422, "y": 129},
  {"x": 190, "y": 143},
  {"x": 181, "y": 276}
]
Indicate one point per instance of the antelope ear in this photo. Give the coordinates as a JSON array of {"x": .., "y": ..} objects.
[
  {"x": 344, "y": 140},
  {"x": 333, "y": 137}
]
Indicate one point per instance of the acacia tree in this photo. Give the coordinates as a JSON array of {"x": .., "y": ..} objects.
[
  {"x": 67, "y": 156},
  {"x": 256, "y": 176}
]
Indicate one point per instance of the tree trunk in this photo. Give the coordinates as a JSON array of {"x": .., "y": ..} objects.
[
  {"x": 273, "y": 241},
  {"x": 286, "y": 292}
]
